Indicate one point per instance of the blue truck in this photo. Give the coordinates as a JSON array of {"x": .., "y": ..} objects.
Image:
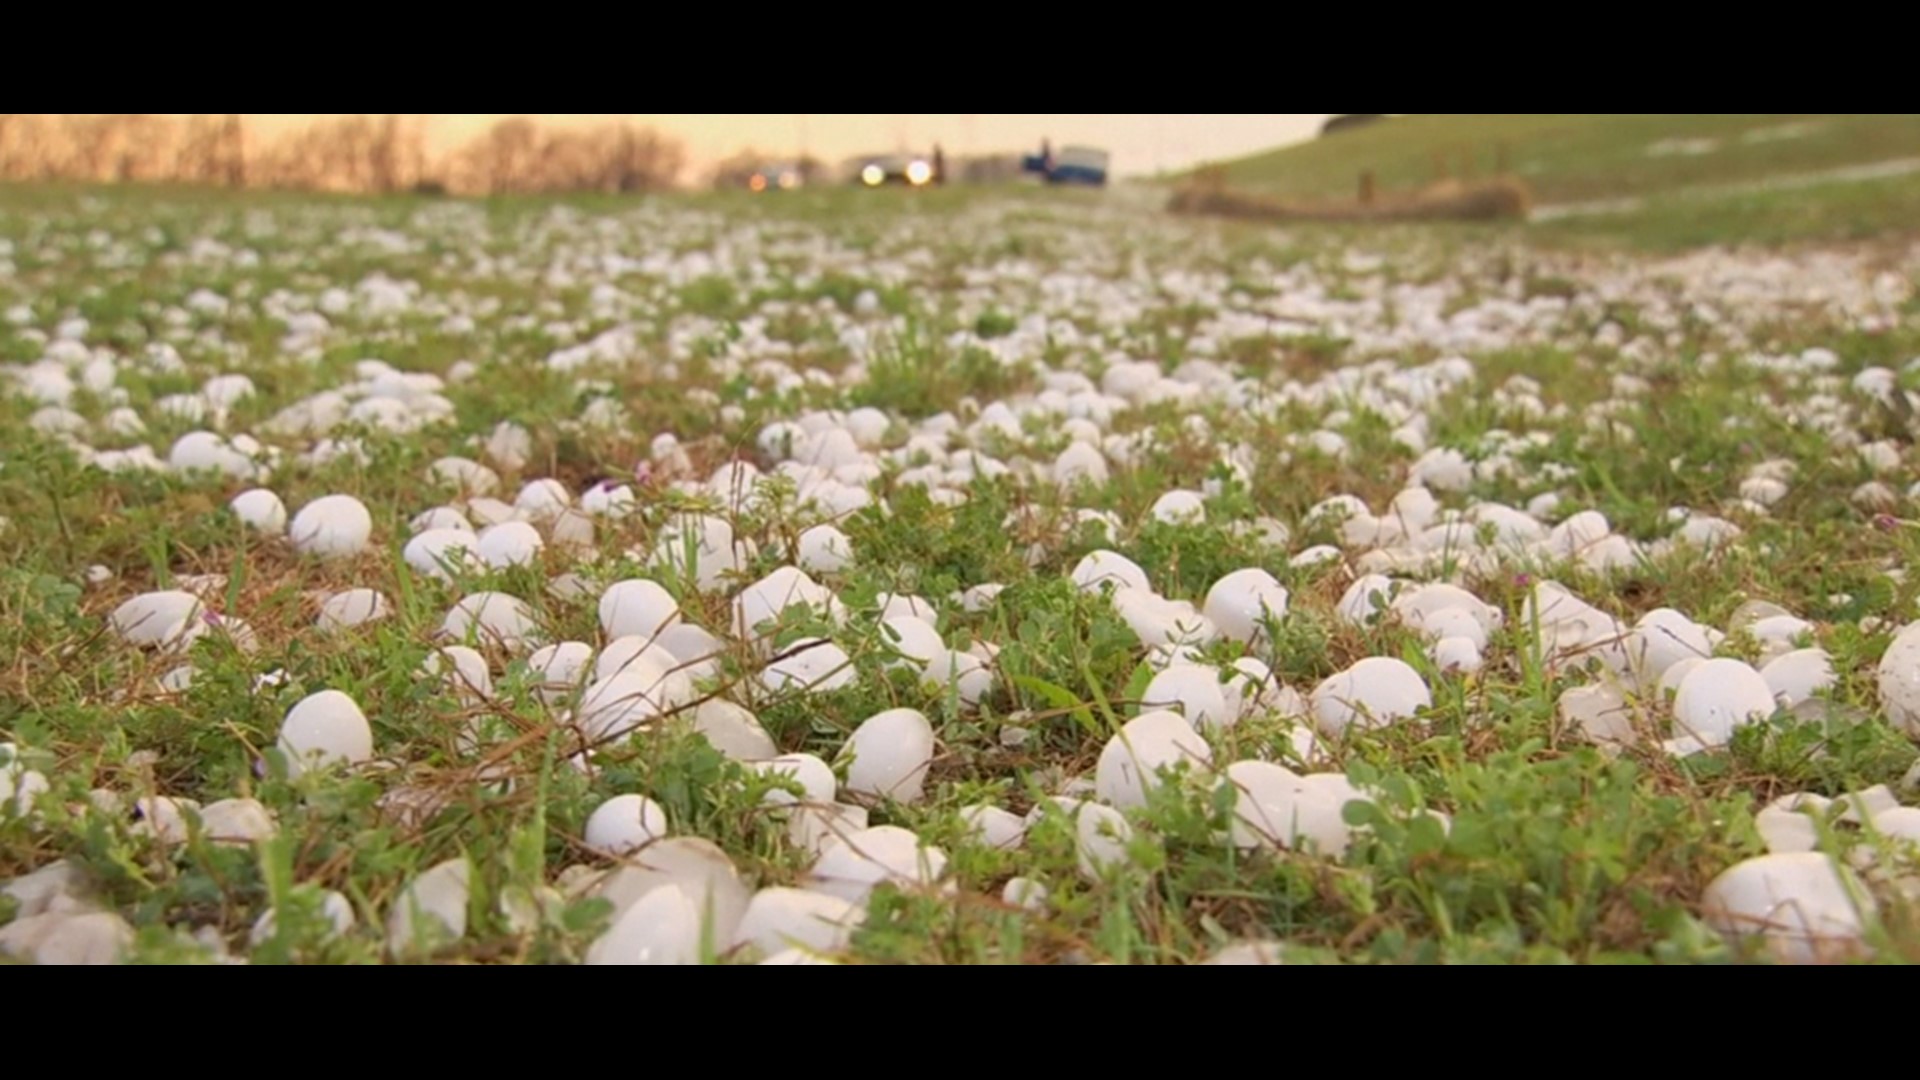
[{"x": 1072, "y": 165}]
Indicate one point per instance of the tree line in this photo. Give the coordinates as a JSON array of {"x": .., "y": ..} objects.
[{"x": 381, "y": 153}]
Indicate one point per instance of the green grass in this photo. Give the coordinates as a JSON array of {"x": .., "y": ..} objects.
[
  {"x": 1570, "y": 158},
  {"x": 1558, "y": 851}
]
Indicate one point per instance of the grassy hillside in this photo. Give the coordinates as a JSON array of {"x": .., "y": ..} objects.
[{"x": 1570, "y": 157}]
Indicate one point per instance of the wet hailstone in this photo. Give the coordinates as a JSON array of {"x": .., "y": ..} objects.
[
  {"x": 325, "y": 729},
  {"x": 1802, "y": 906},
  {"x": 333, "y": 527},
  {"x": 889, "y": 756}
]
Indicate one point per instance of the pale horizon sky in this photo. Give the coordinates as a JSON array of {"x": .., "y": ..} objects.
[{"x": 1141, "y": 143}]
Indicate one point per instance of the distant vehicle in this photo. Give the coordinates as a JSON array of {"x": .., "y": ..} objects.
[
  {"x": 781, "y": 177},
  {"x": 907, "y": 169},
  {"x": 1072, "y": 165}
]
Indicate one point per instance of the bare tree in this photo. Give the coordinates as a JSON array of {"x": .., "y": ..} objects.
[{"x": 384, "y": 154}]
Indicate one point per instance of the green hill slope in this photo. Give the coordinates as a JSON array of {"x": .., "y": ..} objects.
[{"x": 1573, "y": 157}]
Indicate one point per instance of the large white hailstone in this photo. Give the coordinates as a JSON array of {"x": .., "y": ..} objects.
[
  {"x": 814, "y": 776},
  {"x": 67, "y": 938},
  {"x": 1131, "y": 761},
  {"x": 963, "y": 673},
  {"x": 618, "y": 704},
  {"x": 464, "y": 475},
  {"x": 696, "y": 866},
  {"x": 1899, "y": 680},
  {"x": 1101, "y": 835},
  {"x": 700, "y": 548},
  {"x": 891, "y": 752},
  {"x": 463, "y": 670},
  {"x": 1264, "y": 812},
  {"x": 1797, "y": 676},
  {"x": 915, "y": 640},
  {"x": 810, "y": 665},
  {"x": 1778, "y": 634},
  {"x": 165, "y": 819},
  {"x": 170, "y": 619},
  {"x": 1578, "y": 533},
  {"x": 324, "y": 729},
  {"x": 1317, "y": 555},
  {"x": 1670, "y": 681},
  {"x": 637, "y": 654},
  {"x": 1609, "y": 554},
  {"x": 1158, "y": 621},
  {"x": 542, "y": 500},
  {"x": 440, "y": 517},
  {"x": 868, "y": 426},
  {"x": 331, "y": 527},
  {"x": 1442, "y": 469},
  {"x": 882, "y": 855},
  {"x": 203, "y": 451},
  {"x": 442, "y": 553},
  {"x": 1110, "y": 570},
  {"x": 1787, "y": 824},
  {"x": 235, "y": 821},
  {"x": 510, "y": 543},
  {"x": 1455, "y": 655},
  {"x": 261, "y": 510},
  {"x": 899, "y": 605},
  {"x": 1248, "y": 954},
  {"x": 990, "y": 825},
  {"x": 625, "y": 824},
  {"x": 336, "y": 911},
  {"x": 1320, "y": 812},
  {"x": 637, "y": 607},
  {"x": 491, "y": 619},
  {"x": 510, "y": 446},
  {"x": 559, "y": 669},
  {"x": 609, "y": 500},
  {"x": 1900, "y": 823},
  {"x": 662, "y": 927},
  {"x": 1804, "y": 906},
  {"x": 1599, "y": 711},
  {"x": 1244, "y": 602},
  {"x": 778, "y": 919},
  {"x": 20, "y": 787},
  {"x": 1366, "y": 599},
  {"x": 1022, "y": 892},
  {"x": 824, "y": 549},
  {"x": 1435, "y": 610},
  {"x": 1664, "y": 637},
  {"x": 485, "y": 511},
  {"x": 354, "y": 607},
  {"x": 1252, "y": 689},
  {"x": 1179, "y": 508},
  {"x": 1374, "y": 692},
  {"x": 1192, "y": 690},
  {"x": 733, "y": 730},
  {"x": 1716, "y": 698},
  {"x": 433, "y": 907},
  {"x": 1080, "y": 463},
  {"x": 764, "y": 600}
]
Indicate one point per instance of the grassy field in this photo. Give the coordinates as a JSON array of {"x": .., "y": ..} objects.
[
  {"x": 1579, "y": 157},
  {"x": 1497, "y": 489}
]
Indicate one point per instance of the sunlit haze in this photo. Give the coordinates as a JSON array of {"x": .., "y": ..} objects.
[{"x": 1141, "y": 143}]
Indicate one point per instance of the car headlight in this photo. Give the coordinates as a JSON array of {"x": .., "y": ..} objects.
[
  {"x": 873, "y": 176},
  {"x": 918, "y": 173}
]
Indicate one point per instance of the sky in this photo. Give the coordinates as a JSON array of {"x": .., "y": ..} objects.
[{"x": 1141, "y": 143}]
